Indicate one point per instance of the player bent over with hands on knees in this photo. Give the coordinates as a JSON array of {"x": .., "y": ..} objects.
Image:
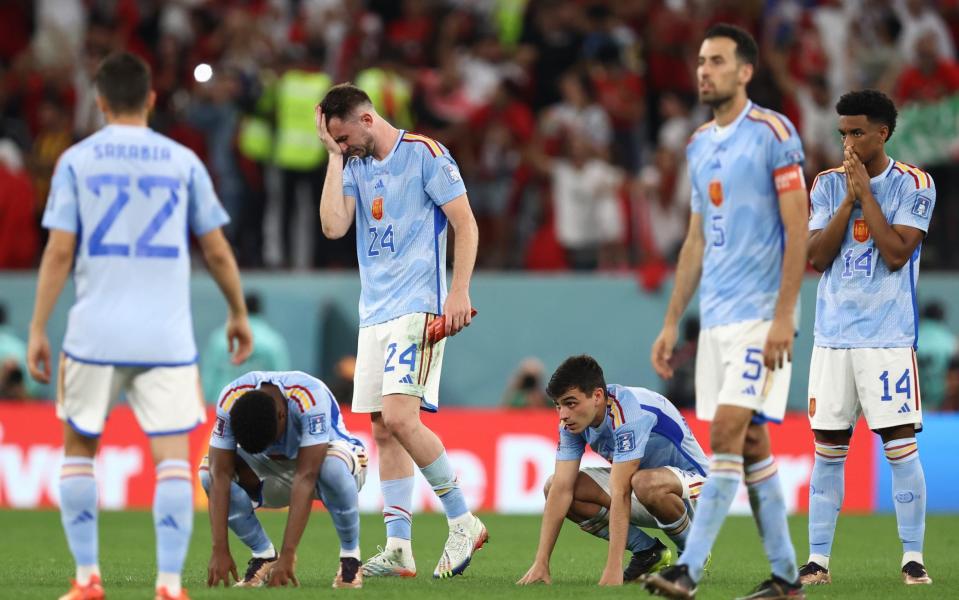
[
  {"x": 403, "y": 191},
  {"x": 279, "y": 441},
  {"x": 657, "y": 471},
  {"x": 868, "y": 220}
]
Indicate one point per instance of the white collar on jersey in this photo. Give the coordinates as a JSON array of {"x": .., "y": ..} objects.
[
  {"x": 721, "y": 133},
  {"x": 885, "y": 172},
  {"x": 386, "y": 158}
]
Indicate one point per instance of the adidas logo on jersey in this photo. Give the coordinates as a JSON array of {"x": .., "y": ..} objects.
[
  {"x": 407, "y": 379},
  {"x": 903, "y": 409},
  {"x": 750, "y": 390}
]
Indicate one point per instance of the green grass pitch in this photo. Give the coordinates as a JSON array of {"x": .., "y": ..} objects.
[{"x": 35, "y": 561}]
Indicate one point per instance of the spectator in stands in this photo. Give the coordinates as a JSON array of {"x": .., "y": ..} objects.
[
  {"x": 937, "y": 346},
  {"x": 931, "y": 77},
  {"x": 920, "y": 20},
  {"x": 586, "y": 201},
  {"x": 270, "y": 353},
  {"x": 681, "y": 389},
  {"x": 950, "y": 402},
  {"x": 19, "y": 238},
  {"x": 577, "y": 112},
  {"x": 526, "y": 388},
  {"x": 14, "y": 385}
]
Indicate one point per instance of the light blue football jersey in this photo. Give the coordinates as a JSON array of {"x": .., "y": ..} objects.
[
  {"x": 132, "y": 197},
  {"x": 400, "y": 228},
  {"x": 313, "y": 416},
  {"x": 732, "y": 176},
  {"x": 860, "y": 303},
  {"x": 639, "y": 424}
]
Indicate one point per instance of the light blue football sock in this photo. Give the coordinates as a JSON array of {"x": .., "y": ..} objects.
[
  {"x": 336, "y": 488},
  {"x": 173, "y": 514},
  {"x": 826, "y": 489},
  {"x": 769, "y": 510},
  {"x": 678, "y": 531},
  {"x": 726, "y": 471},
  {"x": 442, "y": 478},
  {"x": 242, "y": 519},
  {"x": 908, "y": 492},
  {"x": 78, "y": 509},
  {"x": 398, "y": 507}
]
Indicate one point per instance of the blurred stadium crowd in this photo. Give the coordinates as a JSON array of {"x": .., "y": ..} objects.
[{"x": 569, "y": 118}]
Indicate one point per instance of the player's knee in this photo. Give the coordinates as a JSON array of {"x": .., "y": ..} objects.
[
  {"x": 204, "y": 473},
  {"x": 726, "y": 438},
  {"x": 646, "y": 487},
  {"x": 547, "y": 485},
  {"x": 401, "y": 426},
  {"x": 381, "y": 433}
]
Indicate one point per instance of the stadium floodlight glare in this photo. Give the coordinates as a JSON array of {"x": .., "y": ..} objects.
[{"x": 203, "y": 73}]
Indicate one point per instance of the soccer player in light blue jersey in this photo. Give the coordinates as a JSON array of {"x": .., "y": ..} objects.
[
  {"x": 122, "y": 205},
  {"x": 279, "y": 442},
  {"x": 747, "y": 244},
  {"x": 403, "y": 190},
  {"x": 868, "y": 220},
  {"x": 658, "y": 470}
]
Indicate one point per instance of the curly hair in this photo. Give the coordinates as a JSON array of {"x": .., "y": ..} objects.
[
  {"x": 580, "y": 372},
  {"x": 254, "y": 421},
  {"x": 876, "y": 106}
]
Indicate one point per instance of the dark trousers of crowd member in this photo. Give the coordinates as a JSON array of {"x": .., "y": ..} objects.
[{"x": 326, "y": 252}]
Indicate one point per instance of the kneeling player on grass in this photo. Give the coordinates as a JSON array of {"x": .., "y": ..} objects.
[
  {"x": 279, "y": 441},
  {"x": 657, "y": 471}
]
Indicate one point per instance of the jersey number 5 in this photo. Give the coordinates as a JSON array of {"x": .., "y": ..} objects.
[{"x": 143, "y": 247}]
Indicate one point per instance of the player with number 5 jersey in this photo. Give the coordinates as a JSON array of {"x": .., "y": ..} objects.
[
  {"x": 122, "y": 205},
  {"x": 869, "y": 217},
  {"x": 746, "y": 249},
  {"x": 403, "y": 191}
]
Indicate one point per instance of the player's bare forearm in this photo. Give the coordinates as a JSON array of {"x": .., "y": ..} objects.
[
  {"x": 222, "y": 469},
  {"x": 301, "y": 499},
  {"x": 466, "y": 241},
  {"x": 620, "y": 491},
  {"x": 557, "y": 505},
  {"x": 895, "y": 243},
  {"x": 224, "y": 270},
  {"x": 824, "y": 244},
  {"x": 689, "y": 268},
  {"x": 794, "y": 210},
  {"x": 558, "y": 501},
  {"x": 308, "y": 464},
  {"x": 336, "y": 210},
  {"x": 54, "y": 269}
]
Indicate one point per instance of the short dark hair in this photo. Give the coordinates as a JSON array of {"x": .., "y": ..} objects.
[
  {"x": 341, "y": 100},
  {"x": 123, "y": 81},
  {"x": 254, "y": 421},
  {"x": 746, "y": 49},
  {"x": 876, "y": 106},
  {"x": 581, "y": 372}
]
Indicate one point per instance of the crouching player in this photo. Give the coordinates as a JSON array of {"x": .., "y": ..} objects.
[
  {"x": 279, "y": 441},
  {"x": 657, "y": 471}
]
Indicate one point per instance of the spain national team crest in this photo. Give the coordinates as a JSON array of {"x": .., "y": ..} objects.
[
  {"x": 716, "y": 192},
  {"x": 377, "y": 208},
  {"x": 860, "y": 231}
]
